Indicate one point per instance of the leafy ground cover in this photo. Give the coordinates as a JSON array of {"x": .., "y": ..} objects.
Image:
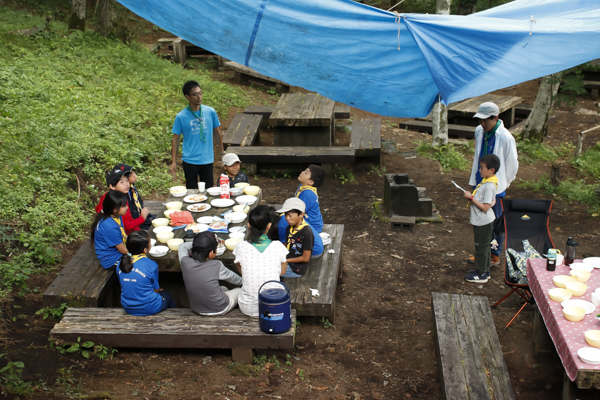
[{"x": 73, "y": 104}]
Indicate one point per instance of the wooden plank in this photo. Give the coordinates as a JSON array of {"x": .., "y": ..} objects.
[
  {"x": 303, "y": 109},
  {"x": 468, "y": 108},
  {"x": 265, "y": 111},
  {"x": 341, "y": 112},
  {"x": 366, "y": 137},
  {"x": 293, "y": 155},
  {"x": 461, "y": 131},
  {"x": 250, "y": 72},
  {"x": 172, "y": 328},
  {"x": 243, "y": 130},
  {"x": 451, "y": 368},
  {"x": 591, "y": 85}
]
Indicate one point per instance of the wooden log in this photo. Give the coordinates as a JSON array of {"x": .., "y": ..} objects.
[{"x": 555, "y": 175}]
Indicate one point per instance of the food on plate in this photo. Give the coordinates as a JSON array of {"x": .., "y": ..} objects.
[
  {"x": 195, "y": 198},
  {"x": 218, "y": 225},
  {"x": 198, "y": 207}
]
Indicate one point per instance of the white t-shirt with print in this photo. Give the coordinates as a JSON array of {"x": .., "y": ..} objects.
[{"x": 258, "y": 268}]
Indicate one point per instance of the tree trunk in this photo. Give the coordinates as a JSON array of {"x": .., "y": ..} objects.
[
  {"x": 77, "y": 20},
  {"x": 439, "y": 125},
  {"x": 439, "y": 128},
  {"x": 536, "y": 126},
  {"x": 106, "y": 17}
]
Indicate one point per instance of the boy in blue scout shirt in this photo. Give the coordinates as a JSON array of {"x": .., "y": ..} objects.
[{"x": 198, "y": 124}]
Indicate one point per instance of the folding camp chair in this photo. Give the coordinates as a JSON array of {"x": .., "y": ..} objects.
[{"x": 523, "y": 219}]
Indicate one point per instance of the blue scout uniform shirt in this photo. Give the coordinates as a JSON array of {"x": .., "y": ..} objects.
[
  {"x": 318, "y": 240},
  {"x": 137, "y": 288},
  {"x": 195, "y": 151},
  {"x": 313, "y": 211},
  {"x": 106, "y": 239}
]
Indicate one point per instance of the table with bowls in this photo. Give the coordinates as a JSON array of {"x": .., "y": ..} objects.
[
  {"x": 203, "y": 207},
  {"x": 565, "y": 303}
]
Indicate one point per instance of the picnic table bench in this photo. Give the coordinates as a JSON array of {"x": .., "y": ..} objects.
[
  {"x": 303, "y": 119},
  {"x": 365, "y": 139},
  {"x": 339, "y": 112},
  {"x": 243, "y": 130},
  {"x": 471, "y": 362},
  {"x": 462, "y": 113},
  {"x": 244, "y": 74},
  {"x": 284, "y": 155},
  {"x": 322, "y": 275},
  {"x": 456, "y": 131},
  {"x": 173, "y": 328}
]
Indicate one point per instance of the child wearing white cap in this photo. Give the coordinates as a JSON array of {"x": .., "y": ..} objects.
[
  {"x": 300, "y": 239},
  {"x": 231, "y": 164}
]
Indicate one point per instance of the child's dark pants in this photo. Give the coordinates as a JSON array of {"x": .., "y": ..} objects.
[{"x": 483, "y": 252}]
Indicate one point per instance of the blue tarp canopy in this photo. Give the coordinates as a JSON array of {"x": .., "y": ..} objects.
[{"x": 390, "y": 64}]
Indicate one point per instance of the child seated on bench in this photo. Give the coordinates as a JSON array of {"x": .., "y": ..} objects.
[
  {"x": 259, "y": 260},
  {"x": 201, "y": 275},
  {"x": 138, "y": 276},
  {"x": 107, "y": 232},
  {"x": 300, "y": 239},
  {"x": 136, "y": 204},
  {"x": 231, "y": 164},
  {"x": 310, "y": 179},
  {"x": 279, "y": 232},
  {"x": 117, "y": 179}
]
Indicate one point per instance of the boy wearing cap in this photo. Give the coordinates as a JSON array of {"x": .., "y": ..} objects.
[
  {"x": 118, "y": 179},
  {"x": 135, "y": 202},
  {"x": 231, "y": 164},
  {"x": 299, "y": 240},
  {"x": 491, "y": 137}
]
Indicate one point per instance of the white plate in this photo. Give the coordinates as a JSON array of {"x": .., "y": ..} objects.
[
  {"x": 585, "y": 267},
  {"x": 222, "y": 203},
  {"x": 246, "y": 199},
  {"x": 586, "y": 305},
  {"x": 589, "y": 355},
  {"x": 159, "y": 251},
  {"x": 236, "y": 217},
  {"x": 195, "y": 198},
  {"x": 594, "y": 261},
  {"x": 198, "y": 207},
  {"x": 205, "y": 220},
  {"x": 237, "y": 229}
]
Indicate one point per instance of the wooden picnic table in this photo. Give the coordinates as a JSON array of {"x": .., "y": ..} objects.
[
  {"x": 303, "y": 119},
  {"x": 567, "y": 337},
  {"x": 462, "y": 113},
  {"x": 170, "y": 262}
]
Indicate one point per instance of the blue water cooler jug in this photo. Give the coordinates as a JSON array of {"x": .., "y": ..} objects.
[{"x": 275, "y": 309}]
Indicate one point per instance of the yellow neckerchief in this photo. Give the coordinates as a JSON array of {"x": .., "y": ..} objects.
[
  {"x": 493, "y": 179},
  {"x": 294, "y": 231},
  {"x": 136, "y": 199},
  {"x": 302, "y": 188},
  {"x": 118, "y": 221},
  {"x": 137, "y": 257}
]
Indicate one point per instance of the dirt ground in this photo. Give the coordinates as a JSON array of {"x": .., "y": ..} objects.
[{"x": 382, "y": 344}]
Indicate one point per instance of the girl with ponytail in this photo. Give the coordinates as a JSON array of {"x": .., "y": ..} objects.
[
  {"x": 258, "y": 259},
  {"x": 138, "y": 276}
]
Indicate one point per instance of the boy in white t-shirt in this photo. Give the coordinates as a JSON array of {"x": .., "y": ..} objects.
[{"x": 482, "y": 217}]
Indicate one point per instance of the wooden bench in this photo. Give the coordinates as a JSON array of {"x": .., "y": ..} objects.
[
  {"x": 457, "y": 131},
  {"x": 593, "y": 86},
  {"x": 245, "y": 74},
  {"x": 340, "y": 112},
  {"x": 365, "y": 139},
  {"x": 182, "y": 49},
  {"x": 471, "y": 362},
  {"x": 322, "y": 275},
  {"x": 82, "y": 282},
  {"x": 243, "y": 130},
  {"x": 282, "y": 156},
  {"x": 174, "y": 328}
]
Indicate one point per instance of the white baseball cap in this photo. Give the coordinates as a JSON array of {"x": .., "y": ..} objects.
[
  {"x": 293, "y": 203},
  {"x": 229, "y": 159},
  {"x": 487, "y": 110}
]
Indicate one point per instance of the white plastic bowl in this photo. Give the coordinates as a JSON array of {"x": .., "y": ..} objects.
[
  {"x": 246, "y": 199},
  {"x": 236, "y": 191},
  {"x": 161, "y": 229},
  {"x": 236, "y": 217},
  {"x": 582, "y": 266},
  {"x": 159, "y": 251},
  {"x": 214, "y": 191},
  {"x": 237, "y": 235}
]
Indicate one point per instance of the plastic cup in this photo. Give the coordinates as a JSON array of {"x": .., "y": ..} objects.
[{"x": 201, "y": 186}]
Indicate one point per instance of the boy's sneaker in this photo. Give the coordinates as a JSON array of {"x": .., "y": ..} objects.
[
  {"x": 476, "y": 277},
  {"x": 495, "y": 260}
]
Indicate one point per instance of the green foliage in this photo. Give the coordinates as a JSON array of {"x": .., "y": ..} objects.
[
  {"x": 377, "y": 214},
  {"x": 259, "y": 359},
  {"x": 326, "y": 323},
  {"x": 85, "y": 348},
  {"x": 71, "y": 387},
  {"x": 571, "y": 84},
  {"x": 569, "y": 189},
  {"x": 12, "y": 380},
  {"x": 54, "y": 312},
  {"x": 535, "y": 151},
  {"x": 73, "y": 104},
  {"x": 376, "y": 170},
  {"x": 447, "y": 155},
  {"x": 237, "y": 369},
  {"x": 344, "y": 175},
  {"x": 589, "y": 161}
]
